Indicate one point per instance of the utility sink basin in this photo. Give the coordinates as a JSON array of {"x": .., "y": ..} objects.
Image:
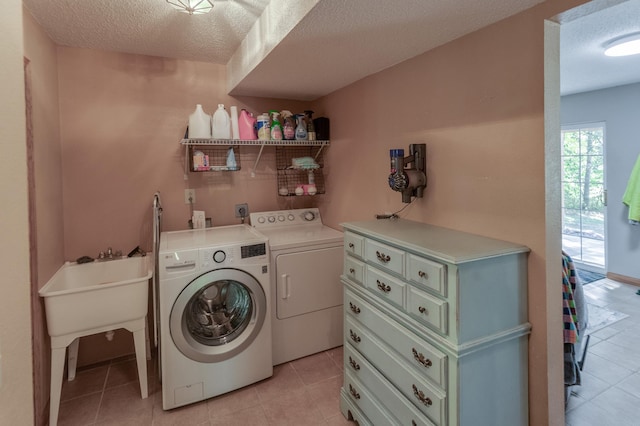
[
  {"x": 90, "y": 298},
  {"x": 86, "y": 296}
]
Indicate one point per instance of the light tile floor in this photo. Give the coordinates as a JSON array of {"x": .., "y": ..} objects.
[
  {"x": 610, "y": 390},
  {"x": 301, "y": 392},
  {"x": 306, "y": 391}
]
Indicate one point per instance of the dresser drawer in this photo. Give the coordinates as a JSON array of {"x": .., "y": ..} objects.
[
  {"x": 354, "y": 269},
  {"x": 385, "y": 256},
  {"x": 384, "y": 285},
  {"x": 427, "y": 359},
  {"x": 354, "y": 244},
  {"x": 427, "y": 273},
  {"x": 402, "y": 407},
  {"x": 427, "y": 309},
  {"x": 360, "y": 397}
]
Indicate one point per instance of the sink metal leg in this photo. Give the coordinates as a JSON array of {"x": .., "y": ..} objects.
[
  {"x": 141, "y": 360},
  {"x": 57, "y": 371},
  {"x": 72, "y": 359}
]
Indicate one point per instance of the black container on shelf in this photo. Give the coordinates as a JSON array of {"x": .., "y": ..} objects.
[{"x": 321, "y": 125}]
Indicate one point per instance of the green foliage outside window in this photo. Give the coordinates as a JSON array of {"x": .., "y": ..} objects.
[{"x": 583, "y": 182}]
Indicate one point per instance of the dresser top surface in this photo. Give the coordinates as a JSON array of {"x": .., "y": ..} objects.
[{"x": 445, "y": 244}]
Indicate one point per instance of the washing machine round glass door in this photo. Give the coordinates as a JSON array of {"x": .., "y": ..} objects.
[{"x": 217, "y": 315}]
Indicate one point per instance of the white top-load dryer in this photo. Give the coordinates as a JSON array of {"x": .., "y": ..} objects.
[{"x": 306, "y": 293}]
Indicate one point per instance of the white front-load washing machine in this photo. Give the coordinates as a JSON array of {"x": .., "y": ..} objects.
[{"x": 214, "y": 312}]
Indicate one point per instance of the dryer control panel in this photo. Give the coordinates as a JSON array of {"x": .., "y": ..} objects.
[{"x": 288, "y": 218}]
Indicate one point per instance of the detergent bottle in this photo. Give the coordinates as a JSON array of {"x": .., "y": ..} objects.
[
  {"x": 199, "y": 124},
  {"x": 221, "y": 124},
  {"x": 247, "y": 126}
]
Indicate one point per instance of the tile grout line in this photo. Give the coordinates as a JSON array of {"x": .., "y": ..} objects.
[{"x": 104, "y": 386}]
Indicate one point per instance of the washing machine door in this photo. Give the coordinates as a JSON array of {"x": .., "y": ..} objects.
[{"x": 218, "y": 315}]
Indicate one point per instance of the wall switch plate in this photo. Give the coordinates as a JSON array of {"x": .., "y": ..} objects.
[
  {"x": 189, "y": 196},
  {"x": 242, "y": 210}
]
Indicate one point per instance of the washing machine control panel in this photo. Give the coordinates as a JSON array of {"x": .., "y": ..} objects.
[
  {"x": 253, "y": 250},
  {"x": 215, "y": 257},
  {"x": 265, "y": 220}
]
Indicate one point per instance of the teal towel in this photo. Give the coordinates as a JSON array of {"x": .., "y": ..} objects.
[{"x": 631, "y": 196}]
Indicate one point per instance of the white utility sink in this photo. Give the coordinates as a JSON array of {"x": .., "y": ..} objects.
[{"x": 90, "y": 298}]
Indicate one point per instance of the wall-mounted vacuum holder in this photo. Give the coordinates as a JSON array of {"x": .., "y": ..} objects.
[{"x": 410, "y": 181}]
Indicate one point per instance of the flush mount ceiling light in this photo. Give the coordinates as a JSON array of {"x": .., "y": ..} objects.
[
  {"x": 623, "y": 46},
  {"x": 192, "y": 7}
]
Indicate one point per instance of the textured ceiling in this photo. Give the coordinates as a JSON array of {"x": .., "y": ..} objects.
[
  {"x": 303, "y": 49},
  {"x": 583, "y": 65}
]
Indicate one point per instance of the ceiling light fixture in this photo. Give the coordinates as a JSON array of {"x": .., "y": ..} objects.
[
  {"x": 192, "y": 7},
  {"x": 623, "y": 46}
]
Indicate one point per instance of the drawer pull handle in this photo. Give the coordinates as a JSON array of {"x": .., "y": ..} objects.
[
  {"x": 423, "y": 310},
  {"x": 424, "y": 275},
  {"x": 351, "y": 245},
  {"x": 352, "y": 271},
  {"x": 383, "y": 287},
  {"x": 422, "y": 397},
  {"x": 354, "y": 336},
  {"x": 421, "y": 359},
  {"x": 382, "y": 257},
  {"x": 354, "y": 308},
  {"x": 353, "y": 392},
  {"x": 354, "y": 364},
  {"x": 413, "y": 423}
]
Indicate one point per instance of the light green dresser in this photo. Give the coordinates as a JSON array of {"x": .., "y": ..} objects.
[{"x": 435, "y": 326}]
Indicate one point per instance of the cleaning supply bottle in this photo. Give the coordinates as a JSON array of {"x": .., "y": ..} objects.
[
  {"x": 231, "y": 159},
  {"x": 311, "y": 131},
  {"x": 199, "y": 124},
  {"x": 288, "y": 125},
  {"x": 247, "y": 126},
  {"x": 301, "y": 129},
  {"x": 221, "y": 124},
  {"x": 264, "y": 127},
  {"x": 276, "y": 127}
]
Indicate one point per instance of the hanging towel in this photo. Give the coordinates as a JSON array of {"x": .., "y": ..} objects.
[
  {"x": 631, "y": 196},
  {"x": 569, "y": 313}
]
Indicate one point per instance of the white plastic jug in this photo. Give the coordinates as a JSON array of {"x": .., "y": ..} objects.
[
  {"x": 235, "y": 131},
  {"x": 221, "y": 124},
  {"x": 199, "y": 124}
]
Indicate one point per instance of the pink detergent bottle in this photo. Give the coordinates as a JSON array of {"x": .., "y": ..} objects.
[{"x": 247, "y": 125}]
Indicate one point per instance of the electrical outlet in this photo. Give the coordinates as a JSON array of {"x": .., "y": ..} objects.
[
  {"x": 189, "y": 196},
  {"x": 242, "y": 210}
]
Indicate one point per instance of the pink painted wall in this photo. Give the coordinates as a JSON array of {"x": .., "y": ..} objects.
[
  {"x": 478, "y": 104},
  {"x": 123, "y": 117}
]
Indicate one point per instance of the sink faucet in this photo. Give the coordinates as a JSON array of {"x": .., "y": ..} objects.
[{"x": 109, "y": 254}]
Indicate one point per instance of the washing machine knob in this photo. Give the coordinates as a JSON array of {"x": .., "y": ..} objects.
[
  {"x": 272, "y": 219},
  {"x": 281, "y": 218},
  {"x": 309, "y": 216},
  {"x": 219, "y": 256},
  {"x": 291, "y": 217},
  {"x": 261, "y": 219}
]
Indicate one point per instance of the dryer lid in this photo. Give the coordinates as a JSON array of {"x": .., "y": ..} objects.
[{"x": 281, "y": 238}]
